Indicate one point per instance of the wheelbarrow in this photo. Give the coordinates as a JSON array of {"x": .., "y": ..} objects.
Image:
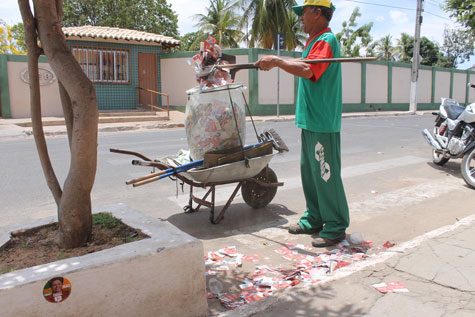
[
  {"x": 247, "y": 167},
  {"x": 257, "y": 181}
]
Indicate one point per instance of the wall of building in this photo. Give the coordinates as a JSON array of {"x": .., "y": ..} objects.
[
  {"x": 372, "y": 86},
  {"x": 16, "y": 95},
  {"x": 50, "y": 101}
]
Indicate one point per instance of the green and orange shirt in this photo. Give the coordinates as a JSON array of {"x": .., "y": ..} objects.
[{"x": 319, "y": 98}]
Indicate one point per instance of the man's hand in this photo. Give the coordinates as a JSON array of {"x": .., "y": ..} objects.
[
  {"x": 294, "y": 66},
  {"x": 267, "y": 62}
]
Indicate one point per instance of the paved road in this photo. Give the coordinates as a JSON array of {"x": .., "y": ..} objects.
[
  {"x": 383, "y": 155},
  {"x": 386, "y": 169},
  {"x": 394, "y": 191}
]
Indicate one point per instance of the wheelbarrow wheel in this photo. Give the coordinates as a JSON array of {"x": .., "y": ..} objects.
[{"x": 258, "y": 196}]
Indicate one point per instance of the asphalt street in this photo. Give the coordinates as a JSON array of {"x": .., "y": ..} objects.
[{"x": 370, "y": 147}]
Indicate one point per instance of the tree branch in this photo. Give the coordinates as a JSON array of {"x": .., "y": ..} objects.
[
  {"x": 59, "y": 10},
  {"x": 35, "y": 102}
]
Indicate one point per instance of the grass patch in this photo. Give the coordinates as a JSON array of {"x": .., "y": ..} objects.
[
  {"x": 105, "y": 219},
  {"x": 7, "y": 269},
  {"x": 63, "y": 255}
]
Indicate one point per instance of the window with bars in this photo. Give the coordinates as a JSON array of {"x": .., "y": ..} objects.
[{"x": 103, "y": 65}]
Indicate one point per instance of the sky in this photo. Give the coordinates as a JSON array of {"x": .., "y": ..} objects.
[{"x": 388, "y": 17}]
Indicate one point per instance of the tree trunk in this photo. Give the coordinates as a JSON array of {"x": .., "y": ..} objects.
[{"x": 80, "y": 107}]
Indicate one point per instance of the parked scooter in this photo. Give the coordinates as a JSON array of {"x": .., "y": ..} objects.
[{"x": 454, "y": 136}]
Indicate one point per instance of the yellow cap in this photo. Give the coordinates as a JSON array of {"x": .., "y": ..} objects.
[{"x": 324, "y": 3}]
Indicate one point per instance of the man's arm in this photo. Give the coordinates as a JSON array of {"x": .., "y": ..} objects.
[
  {"x": 294, "y": 67},
  {"x": 319, "y": 50}
]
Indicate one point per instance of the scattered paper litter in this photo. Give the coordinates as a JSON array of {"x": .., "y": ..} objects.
[
  {"x": 209, "y": 295},
  {"x": 367, "y": 244},
  {"x": 250, "y": 258},
  {"x": 388, "y": 244},
  {"x": 391, "y": 287},
  {"x": 306, "y": 267},
  {"x": 266, "y": 279}
]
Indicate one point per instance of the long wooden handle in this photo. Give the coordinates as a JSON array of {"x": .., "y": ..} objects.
[
  {"x": 138, "y": 179},
  {"x": 147, "y": 181},
  {"x": 309, "y": 61},
  {"x": 339, "y": 60}
]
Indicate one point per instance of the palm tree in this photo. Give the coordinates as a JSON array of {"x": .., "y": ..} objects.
[
  {"x": 269, "y": 17},
  {"x": 353, "y": 39},
  {"x": 297, "y": 37},
  {"x": 222, "y": 22},
  {"x": 405, "y": 47},
  {"x": 384, "y": 48}
]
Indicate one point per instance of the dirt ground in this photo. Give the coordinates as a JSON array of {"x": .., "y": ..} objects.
[{"x": 40, "y": 245}]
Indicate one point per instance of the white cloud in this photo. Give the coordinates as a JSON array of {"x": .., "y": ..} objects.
[
  {"x": 380, "y": 18},
  {"x": 435, "y": 31},
  {"x": 185, "y": 10},
  {"x": 398, "y": 17}
]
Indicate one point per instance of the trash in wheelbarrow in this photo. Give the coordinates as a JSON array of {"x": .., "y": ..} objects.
[{"x": 215, "y": 119}]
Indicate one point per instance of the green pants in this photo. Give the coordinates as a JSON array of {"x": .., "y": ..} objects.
[{"x": 320, "y": 167}]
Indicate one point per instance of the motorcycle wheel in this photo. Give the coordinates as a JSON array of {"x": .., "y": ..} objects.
[
  {"x": 438, "y": 158},
  {"x": 468, "y": 168}
]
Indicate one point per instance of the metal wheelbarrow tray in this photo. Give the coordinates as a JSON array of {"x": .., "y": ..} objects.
[
  {"x": 230, "y": 172},
  {"x": 258, "y": 182}
]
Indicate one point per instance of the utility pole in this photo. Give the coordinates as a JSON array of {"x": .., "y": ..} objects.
[
  {"x": 278, "y": 75},
  {"x": 280, "y": 40},
  {"x": 415, "y": 58}
]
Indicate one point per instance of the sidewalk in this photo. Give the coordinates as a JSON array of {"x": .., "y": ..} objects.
[
  {"x": 10, "y": 128},
  {"x": 436, "y": 268}
]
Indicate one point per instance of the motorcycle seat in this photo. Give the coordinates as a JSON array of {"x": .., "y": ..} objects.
[{"x": 453, "y": 111}]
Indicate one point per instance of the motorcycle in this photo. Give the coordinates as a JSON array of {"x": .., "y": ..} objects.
[{"x": 454, "y": 136}]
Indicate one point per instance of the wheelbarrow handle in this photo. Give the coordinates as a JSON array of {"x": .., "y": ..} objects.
[{"x": 143, "y": 157}]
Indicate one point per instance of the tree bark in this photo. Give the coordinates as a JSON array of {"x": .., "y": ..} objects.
[
  {"x": 67, "y": 111},
  {"x": 80, "y": 108}
]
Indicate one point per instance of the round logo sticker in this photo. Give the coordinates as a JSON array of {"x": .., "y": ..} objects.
[
  {"x": 46, "y": 76},
  {"x": 57, "y": 289}
]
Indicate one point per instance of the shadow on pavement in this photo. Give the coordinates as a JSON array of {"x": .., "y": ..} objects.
[
  {"x": 300, "y": 304},
  {"x": 297, "y": 302},
  {"x": 238, "y": 219},
  {"x": 451, "y": 167}
]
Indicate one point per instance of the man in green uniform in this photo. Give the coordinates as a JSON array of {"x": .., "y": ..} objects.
[{"x": 318, "y": 114}]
